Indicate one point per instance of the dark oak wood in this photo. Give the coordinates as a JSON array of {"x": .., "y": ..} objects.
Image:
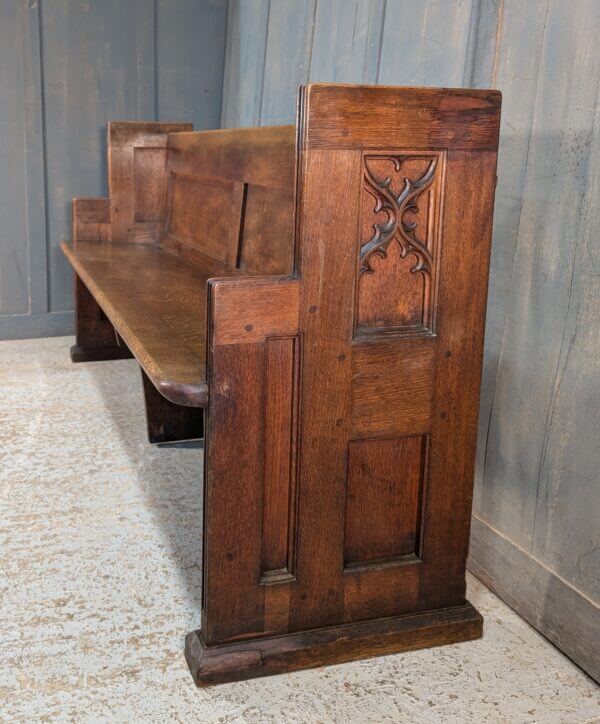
[
  {"x": 136, "y": 178},
  {"x": 331, "y": 645},
  {"x": 157, "y": 303},
  {"x": 230, "y": 198},
  {"x": 91, "y": 220},
  {"x": 349, "y": 116},
  {"x": 168, "y": 422},
  {"x": 321, "y": 291},
  {"x": 96, "y": 339}
]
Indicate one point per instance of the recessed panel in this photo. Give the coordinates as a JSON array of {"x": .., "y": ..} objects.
[
  {"x": 149, "y": 178},
  {"x": 205, "y": 215},
  {"x": 279, "y": 493},
  {"x": 392, "y": 386},
  {"x": 398, "y": 246},
  {"x": 383, "y": 501}
]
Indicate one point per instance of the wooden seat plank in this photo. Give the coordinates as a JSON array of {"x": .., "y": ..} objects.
[{"x": 157, "y": 304}]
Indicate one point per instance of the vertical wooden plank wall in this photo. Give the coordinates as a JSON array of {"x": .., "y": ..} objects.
[
  {"x": 535, "y": 531},
  {"x": 66, "y": 67}
]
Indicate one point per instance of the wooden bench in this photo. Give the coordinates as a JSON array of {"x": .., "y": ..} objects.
[{"x": 320, "y": 293}]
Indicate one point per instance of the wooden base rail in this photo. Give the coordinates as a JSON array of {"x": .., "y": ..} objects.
[{"x": 312, "y": 301}]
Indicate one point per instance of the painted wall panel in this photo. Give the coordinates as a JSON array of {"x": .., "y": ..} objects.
[
  {"x": 347, "y": 41},
  {"x": 14, "y": 247},
  {"x": 541, "y": 285},
  {"x": 190, "y": 49},
  {"x": 287, "y": 59},
  {"x": 90, "y": 61},
  {"x": 508, "y": 57},
  {"x": 425, "y": 43},
  {"x": 244, "y": 62}
]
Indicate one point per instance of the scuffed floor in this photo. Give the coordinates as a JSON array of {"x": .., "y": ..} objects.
[{"x": 100, "y": 580}]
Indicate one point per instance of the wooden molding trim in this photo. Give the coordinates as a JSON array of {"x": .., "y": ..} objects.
[{"x": 331, "y": 645}]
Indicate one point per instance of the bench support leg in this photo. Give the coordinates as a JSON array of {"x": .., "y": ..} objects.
[
  {"x": 168, "y": 422},
  {"x": 96, "y": 339}
]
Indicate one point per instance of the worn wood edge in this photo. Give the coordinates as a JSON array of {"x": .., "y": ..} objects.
[
  {"x": 332, "y": 645},
  {"x": 97, "y": 208},
  {"x": 426, "y": 90},
  {"x": 309, "y": 137},
  {"x": 252, "y": 133},
  {"x": 190, "y": 395},
  {"x": 167, "y": 422},
  {"x": 98, "y": 354},
  {"x": 182, "y": 394},
  {"x": 131, "y": 133},
  {"x": 528, "y": 586}
]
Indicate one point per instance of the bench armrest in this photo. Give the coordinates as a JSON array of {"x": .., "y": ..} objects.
[{"x": 243, "y": 310}]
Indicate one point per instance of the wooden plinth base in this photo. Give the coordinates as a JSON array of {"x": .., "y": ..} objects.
[
  {"x": 332, "y": 645},
  {"x": 99, "y": 354}
]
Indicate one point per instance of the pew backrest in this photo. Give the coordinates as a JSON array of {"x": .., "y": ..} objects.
[{"x": 220, "y": 199}]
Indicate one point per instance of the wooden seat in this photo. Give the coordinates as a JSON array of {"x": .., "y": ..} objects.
[
  {"x": 157, "y": 304},
  {"x": 183, "y": 208},
  {"x": 318, "y": 295}
]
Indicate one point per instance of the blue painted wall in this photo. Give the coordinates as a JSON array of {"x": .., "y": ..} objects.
[{"x": 66, "y": 67}]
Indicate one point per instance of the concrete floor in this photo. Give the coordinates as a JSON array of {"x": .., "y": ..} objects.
[{"x": 100, "y": 580}]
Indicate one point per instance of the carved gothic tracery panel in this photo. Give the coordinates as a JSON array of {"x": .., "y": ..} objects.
[{"x": 399, "y": 242}]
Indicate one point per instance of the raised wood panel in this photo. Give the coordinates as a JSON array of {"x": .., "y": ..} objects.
[
  {"x": 383, "y": 500},
  {"x": 281, "y": 440},
  {"x": 205, "y": 214},
  {"x": 254, "y": 337},
  {"x": 377, "y": 591},
  {"x": 392, "y": 387},
  {"x": 400, "y": 245},
  {"x": 137, "y": 178}
]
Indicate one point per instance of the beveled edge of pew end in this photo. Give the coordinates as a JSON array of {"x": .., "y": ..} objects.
[
  {"x": 187, "y": 395},
  {"x": 267, "y": 656}
]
